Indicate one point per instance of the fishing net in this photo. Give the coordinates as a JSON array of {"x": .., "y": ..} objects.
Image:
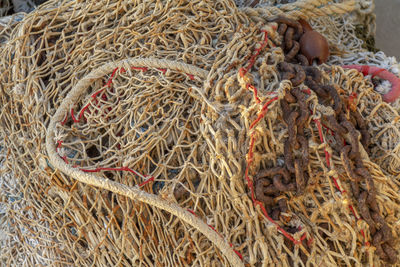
[{"x": 149, "y": 133}]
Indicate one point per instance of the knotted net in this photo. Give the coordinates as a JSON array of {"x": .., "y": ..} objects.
[{"x": 134, "y": 133}]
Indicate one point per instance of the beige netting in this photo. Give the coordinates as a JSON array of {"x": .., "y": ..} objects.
[{"x": 135, "y": 133}]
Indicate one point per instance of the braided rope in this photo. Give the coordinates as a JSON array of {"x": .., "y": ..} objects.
[
  {"x": 132, "y": 192},
  {"x": 302, "y": 9}
]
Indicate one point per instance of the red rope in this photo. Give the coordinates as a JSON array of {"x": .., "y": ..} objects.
[
  {"x": 163, "y": 70},
  {"x": 140, "y": 68},
  {"x": 65, "y": 120},
  {"x": 263, "y": 112},
  {"x": 191, "y": 76},
  {"x": 252, "y": 61},
  {"x": 321, "y": 137},
  {"x": 83, "y": 110}
]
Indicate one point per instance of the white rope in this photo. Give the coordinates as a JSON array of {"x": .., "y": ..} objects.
[{"x": 302, "y": 9}]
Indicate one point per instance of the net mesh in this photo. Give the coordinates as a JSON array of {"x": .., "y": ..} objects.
[{"x": 135, "y": 133}]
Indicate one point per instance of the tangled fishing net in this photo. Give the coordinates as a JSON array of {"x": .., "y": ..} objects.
[{"x": 171, "y": 133}]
